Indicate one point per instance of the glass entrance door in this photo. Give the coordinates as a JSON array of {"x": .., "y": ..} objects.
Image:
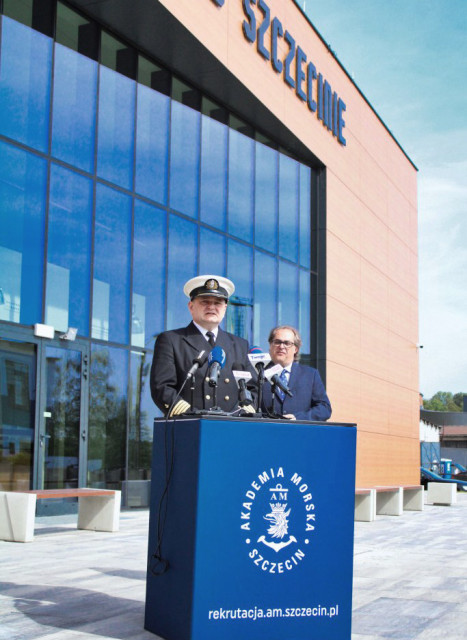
[
  {"x": 63, "y": 435},
  {"x": 18, "y": 365},
  {"x": 43, "y": 411}
]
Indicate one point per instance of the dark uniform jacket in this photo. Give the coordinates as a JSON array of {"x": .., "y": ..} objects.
[
  {"x": 174, "y": 353},
  {"x": 309, "y": 401}
]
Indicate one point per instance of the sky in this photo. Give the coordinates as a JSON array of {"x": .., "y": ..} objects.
[{"x": 409, "y": 59}]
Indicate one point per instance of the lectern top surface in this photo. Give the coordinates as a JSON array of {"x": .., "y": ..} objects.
[{"x": 256, "y": 420}]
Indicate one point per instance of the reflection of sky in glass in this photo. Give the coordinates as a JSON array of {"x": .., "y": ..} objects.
[
  {"x": 241, "y": 172},
  {"x": 288, "y": 298},
  {"x": 182, "y": 267},
  {"x": 211, "y": 252},
  {"x": 240, "y": 187},
  {"x": 148, "y": 303},
  {"x": 288, "y": 208},
  {"x": 116, "y": 128},
  {"x": 112, "y": 264},
  {"x": 25, "y": 84},
  {"x": 304, "y": 310},
  {"x": 152, "y": 144},
  {"x": 213, "y": 172},
  {"x": 22, "y": 199},
  {"x": 265, "y": 309},
  {"x": 305, "y": 216},
  {"x": 74, "y": 108},
  {"x": 184, "y": 159},
  {"x": 266, "y": 201},
  {"x": 240, "y": 268},
  {"x": 68, "y": 250}
]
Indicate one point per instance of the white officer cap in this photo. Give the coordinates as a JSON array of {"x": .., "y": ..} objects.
[{"x": 209, "y": 285}]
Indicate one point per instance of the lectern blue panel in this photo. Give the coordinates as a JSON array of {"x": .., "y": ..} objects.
[{"x": 251, "y": 530}]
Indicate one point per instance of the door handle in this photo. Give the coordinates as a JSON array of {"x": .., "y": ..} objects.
[{"x": 42, "y": 438}]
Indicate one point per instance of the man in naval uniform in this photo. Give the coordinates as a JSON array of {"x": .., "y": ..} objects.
[{"x": 175, "y": 352}]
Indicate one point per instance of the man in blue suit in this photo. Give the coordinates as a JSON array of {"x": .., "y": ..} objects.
[{"x": 309, "y": 400}]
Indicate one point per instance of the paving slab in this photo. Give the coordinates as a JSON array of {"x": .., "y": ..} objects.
[{"x": 410, "y": 579}]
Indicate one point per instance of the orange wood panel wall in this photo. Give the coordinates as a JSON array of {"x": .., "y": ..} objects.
[{"x": 372, "y": 283}]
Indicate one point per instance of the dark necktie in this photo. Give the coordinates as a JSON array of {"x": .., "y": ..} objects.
[{"x": 211, "y": 338}]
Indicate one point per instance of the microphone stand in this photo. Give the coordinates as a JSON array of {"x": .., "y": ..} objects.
[
  {"x": 261, "y": 379},
  {"x": 272, "y": 411},
  {"x": 192, "y": 391}
]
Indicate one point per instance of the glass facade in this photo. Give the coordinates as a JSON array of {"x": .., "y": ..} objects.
[{"x": 119, "y": 182}]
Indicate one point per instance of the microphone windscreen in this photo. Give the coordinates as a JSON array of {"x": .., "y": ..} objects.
[
  {"x": 255, "y": 349},
  {"x": 217, "y": 355}
]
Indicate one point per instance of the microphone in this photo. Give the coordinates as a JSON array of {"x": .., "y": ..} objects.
[
  {"x": 272, "y": 375},
  {"x": 216, "y": 361},
  {"x": 258, "y": 358},
  {"x": 197, "y": 362},
  {"x": 241, "y": 376}
]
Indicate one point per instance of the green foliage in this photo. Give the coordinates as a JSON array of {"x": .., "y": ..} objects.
[{"x": 444, "y": 401}]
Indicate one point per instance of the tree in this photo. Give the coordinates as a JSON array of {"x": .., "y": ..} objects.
[{"x": 444, "y": 401}]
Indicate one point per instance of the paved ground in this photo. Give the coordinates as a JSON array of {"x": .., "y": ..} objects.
[{"x": 410, "y": 579}]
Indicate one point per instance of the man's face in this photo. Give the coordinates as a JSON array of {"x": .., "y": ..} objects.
[
  {"x": 281, "y": 353},
  {"x": 208, "y": 311}
]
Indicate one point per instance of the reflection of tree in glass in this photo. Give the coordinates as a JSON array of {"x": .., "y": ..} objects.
[
  {"x": 63, "y": 403},
  {"x": 140, "y": 435},
  {"x": 107, "y": 423}
]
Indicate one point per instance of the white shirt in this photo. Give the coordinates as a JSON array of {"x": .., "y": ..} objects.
[{"x": 204, "y": 331}]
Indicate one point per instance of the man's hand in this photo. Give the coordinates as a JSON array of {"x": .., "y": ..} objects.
[
  {"x": 180, "y": 407},
  {"x": 249, "y": 408},
  {"x": 289, "y": 416}
]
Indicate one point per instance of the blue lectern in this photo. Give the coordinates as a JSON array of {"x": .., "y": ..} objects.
[{"x": 251, "y": 530}]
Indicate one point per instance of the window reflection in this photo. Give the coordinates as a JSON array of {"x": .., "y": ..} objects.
[
  {"x": 142, "y": 414},
  {"x": 152, "y": 145},
  {"x": 148, "y": 301},
  {"x": 266, "y": 198},
  {"x": 68, "y": 251},
  {"x": 184, "y": 159},
  {"x": 116, "y": 128},
  {"x": 25, "y": 83},
  {"x": 17, "y": 407},
  {"x": 305, "y": 216},
  {"x": 288, "y": 208},
  {"x": 213, "y": 173},
  {"x": 181, "y": 267},
  {"x": 241, "y": 186},
  {"x": 22, "y": 199},
  {"x": 304, "y": 324},
  {"x": 287, "y": 312},
  {"x": 74, "y": 108},
  {"x": 111, "y": 280},
  {"x": 265, "y": 299},
  {"x": 107, "y": 417}
]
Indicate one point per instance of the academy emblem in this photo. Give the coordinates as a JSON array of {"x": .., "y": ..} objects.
[{"x": 278, "y": 517}]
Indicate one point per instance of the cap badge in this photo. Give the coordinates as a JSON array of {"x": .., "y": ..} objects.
[{"x": 211, "y": 284}]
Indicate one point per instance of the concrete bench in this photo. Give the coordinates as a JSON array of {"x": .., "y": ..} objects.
[
  {"x": 365, "y": 505},
  {"x": 413, "y": 497},
  {"x": 442, "y": 493},
  {"x": 389, "y": 501},
  {"x": 98, "y": 510}
]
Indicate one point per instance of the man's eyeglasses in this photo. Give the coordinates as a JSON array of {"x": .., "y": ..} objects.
[{"x": 287, "y": 344}]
